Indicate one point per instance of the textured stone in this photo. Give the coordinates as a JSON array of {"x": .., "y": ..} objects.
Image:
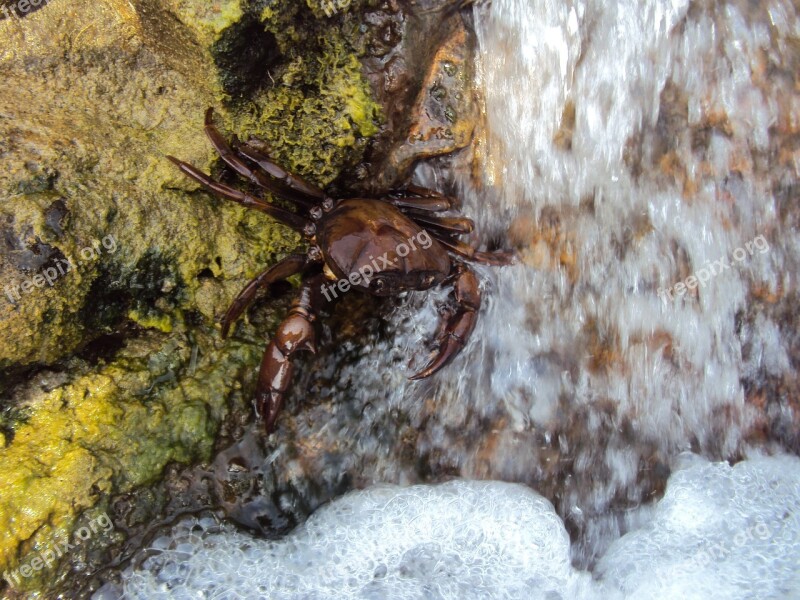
[{"x": 117, "y": 368}]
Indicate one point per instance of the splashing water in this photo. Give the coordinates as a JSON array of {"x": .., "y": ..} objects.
[
  {"x": 719, "y": 532},
  {"x": 634, "y": 145}
]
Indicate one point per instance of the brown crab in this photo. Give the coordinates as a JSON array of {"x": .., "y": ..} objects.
[{"x": 345, "y": 236}]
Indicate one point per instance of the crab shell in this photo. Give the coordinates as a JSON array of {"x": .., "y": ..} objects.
[{"x": 389, "y": 252}]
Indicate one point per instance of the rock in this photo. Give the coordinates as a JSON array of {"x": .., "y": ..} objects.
[
  {"x": 112, "y": 365},
  {"x": 444, "y": 114},
  {"x": 420, "y": 65}
]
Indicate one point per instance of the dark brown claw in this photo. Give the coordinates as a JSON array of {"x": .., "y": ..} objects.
[
  {"x": 456, "y": 330},
  {"x": 295, "y": 334}
]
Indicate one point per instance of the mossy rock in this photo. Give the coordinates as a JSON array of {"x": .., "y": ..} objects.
[{"x": 114, "y": 367}]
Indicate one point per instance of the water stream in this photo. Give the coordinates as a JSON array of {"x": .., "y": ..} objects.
[
  {"x": 629, "y": 149},
  {"x": 631, "y": 145}
]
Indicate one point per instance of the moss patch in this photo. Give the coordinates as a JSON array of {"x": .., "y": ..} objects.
[
  {"x": 207, "y": 19},
  {"x": 103, "y": 93},
  {"x": 109, "y": 430},
  {"x": 317, "y": 113}
]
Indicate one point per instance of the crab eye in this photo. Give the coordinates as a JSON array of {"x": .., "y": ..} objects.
[{"x": 379, "y": 285}]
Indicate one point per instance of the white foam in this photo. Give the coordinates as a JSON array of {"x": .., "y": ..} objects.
[
  {"x": 455, "y": 540},
  {"x": 719, "y": 532}
]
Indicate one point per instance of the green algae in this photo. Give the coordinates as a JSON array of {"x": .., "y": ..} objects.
[
  {"x": 93, "y": 437},
  {"x": 104, "y": 94},
  {"x": 317, "y": 133},
  {"x": 318, "y": 113},
  {"x": 207, "y": 19}
]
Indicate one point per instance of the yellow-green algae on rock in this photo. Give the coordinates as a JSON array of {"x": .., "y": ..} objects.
[
  {"x": 206, "y": 19},
  {"x": 319, "y": 133},
  {"x": 103, "y": 90},
  {"x": 318, "y": 112},
  {"x": 109, "y": 430}
]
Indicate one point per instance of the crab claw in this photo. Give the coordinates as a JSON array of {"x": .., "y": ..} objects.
[
  {"x": 295, "y": 334},
  {"x": 455, "y": 332}
]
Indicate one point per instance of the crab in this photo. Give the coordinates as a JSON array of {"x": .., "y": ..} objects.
[{"x": 344, "y": 237}]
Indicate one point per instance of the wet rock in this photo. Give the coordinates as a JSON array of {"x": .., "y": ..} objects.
[
  {"x": 420, "y": 63},
  {"x": 444, "y": 115},
  {"x": 112, "y": 367}
]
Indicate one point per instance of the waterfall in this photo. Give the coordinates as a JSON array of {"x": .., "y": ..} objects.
[{"x": 628, "y": 146}]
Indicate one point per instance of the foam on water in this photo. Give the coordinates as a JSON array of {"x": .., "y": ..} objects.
[
  {"x": 719, "y": 532},
  {"x": 455, "y": 540}
]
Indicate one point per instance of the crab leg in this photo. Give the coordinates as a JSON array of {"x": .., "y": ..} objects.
[
  {"x": 233, "y": 160},
  {"x": 227, "y": 154},
  {"x": 497, "y": 259},
  {"x": 220, "y": 189},
  {"x": 422, "y": 192},
  {"x": 294, "y": 334},
  {"x": 294, "y": 263},
  {"x": 454, "y": 332},
  {"x": 447, "y": 225},
  {"x": 437, "y": 204},
  {"x": 294, "y": 182}
]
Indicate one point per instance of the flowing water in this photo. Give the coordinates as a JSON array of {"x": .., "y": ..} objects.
[
  {"x": 631, "y": 145},
  {"x": 632, "y": 150}
]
